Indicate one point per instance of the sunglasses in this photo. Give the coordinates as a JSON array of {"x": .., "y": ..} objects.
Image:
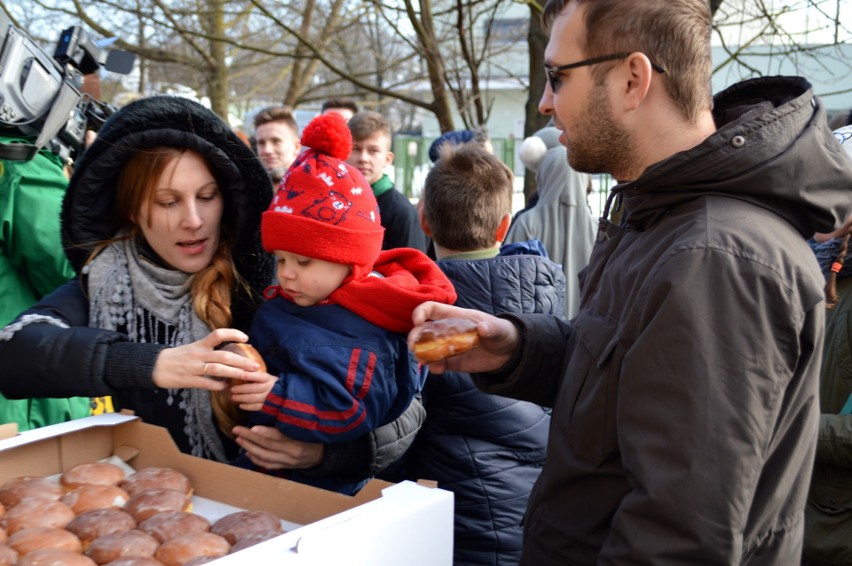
[{"x": 553, "y": 73}]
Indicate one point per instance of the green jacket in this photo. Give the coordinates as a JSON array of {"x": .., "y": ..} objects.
[
  {"x": 828, "y": 516},
  {"x": 32, "y": 264}
]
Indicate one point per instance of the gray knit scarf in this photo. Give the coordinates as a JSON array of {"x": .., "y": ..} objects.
[{"x": 129, "y": 293}]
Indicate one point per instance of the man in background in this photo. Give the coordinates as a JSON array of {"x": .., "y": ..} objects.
[
  {"x": 276, "y": 136},
  {"x": 346, "y": 107},
  {"x": 371, "y": 154}
]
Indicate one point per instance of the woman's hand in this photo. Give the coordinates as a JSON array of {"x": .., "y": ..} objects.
[
  {"x": 251, "y": 391},
  {"x": 267, "y": 447},
  {"x": 200, "y": 365},
  {"x": 498, "y": 338}
]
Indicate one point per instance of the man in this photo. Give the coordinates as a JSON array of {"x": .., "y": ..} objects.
[
  {"x": 684, "y": 392},
  {"x": 277, "y": 139},
  {"x": 346, "y": 107}
]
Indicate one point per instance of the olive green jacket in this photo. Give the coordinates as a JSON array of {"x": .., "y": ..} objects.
[{"x": 828, "y": 516}]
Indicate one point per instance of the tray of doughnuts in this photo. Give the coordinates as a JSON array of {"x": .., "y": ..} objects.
[{"x": 106, "y": 512}]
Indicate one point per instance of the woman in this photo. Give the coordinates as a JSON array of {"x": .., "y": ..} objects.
[
  {"x": 161, "y": 218},
  {"x": 162, "y": 221}
]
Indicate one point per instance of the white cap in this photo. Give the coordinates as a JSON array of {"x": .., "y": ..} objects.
[{"x": 844, "y": 136}]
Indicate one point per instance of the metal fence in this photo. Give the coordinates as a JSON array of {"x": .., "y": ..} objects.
[
  {"x": 411, "y": 165},
  {"x": 411, "y": 161}
]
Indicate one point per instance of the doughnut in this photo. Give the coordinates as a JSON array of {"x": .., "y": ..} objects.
[
  {"x": 2, "y": 510},
  {"x": 8, "y": 555},
  {"x": 91, "y": 525},
  {"x": 227, "y": 413},
  {"x": 236, "y": 526},
  {"x": 254, "y": 538},
  {"x": 35, "y": 512},
  {"x": 16, "y": 489},
  {"x": 148, "y": 503},
  {"x": 135, "y": 561},
  {"x": 156, "y": 478},
  {"x": 245, "y": 350},
  {"x": 440, "y": 339},
  {"x": 180, "y": 550},
  {"x": 89, "y": 497},
  {"x": 122, "y": 545},
  {"x": 28, "y": 540},
  {"x": 4, "y": 536},
  {"x": 201, "y": 560},
  {"x": 171, "y": 524},
  {"x": 92, "y": 473},
  {"x": 55, "y": 557}
]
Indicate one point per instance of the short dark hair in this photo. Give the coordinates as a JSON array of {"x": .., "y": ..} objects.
[
  {"x": 674, "y": 34},
  {"x": 277, "y": 114},
  {"x": 365, "y": 124},
  {"x": 466, "y": 195},
  {"x": 347, "y": 103}
]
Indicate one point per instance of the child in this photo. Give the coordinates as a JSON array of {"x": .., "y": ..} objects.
[
  {"x": 487, "y": 449},
  {"x": 371, "y": 153},
  {"x": 334, "y": 328}
]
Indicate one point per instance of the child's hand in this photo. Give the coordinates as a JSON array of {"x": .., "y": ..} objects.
[
  {"x": 251, "y": 391},
  {"x": 268, "y": 448}
]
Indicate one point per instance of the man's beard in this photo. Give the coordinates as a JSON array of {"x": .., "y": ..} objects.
[{"x": 598, "y": 143}]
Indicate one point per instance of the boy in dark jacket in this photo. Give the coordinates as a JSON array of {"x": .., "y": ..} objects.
[
  {"x": 487, "y": 449},
  {"x": 371, "y": 153},
  {"x": 333, "y": 329}
]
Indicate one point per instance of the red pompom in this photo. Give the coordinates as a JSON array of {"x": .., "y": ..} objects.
[{"x": 328, "y": 134}]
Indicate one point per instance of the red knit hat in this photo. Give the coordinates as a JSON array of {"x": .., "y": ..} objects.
[{"x": 324, "y": 207}]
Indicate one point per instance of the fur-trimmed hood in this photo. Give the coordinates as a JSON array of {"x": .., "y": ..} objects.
[{"x": 88, "y": 211}]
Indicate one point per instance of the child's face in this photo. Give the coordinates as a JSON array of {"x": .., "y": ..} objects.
[
  {"x": 307, "y": 280},
  {"x": 371, "y": 155}
]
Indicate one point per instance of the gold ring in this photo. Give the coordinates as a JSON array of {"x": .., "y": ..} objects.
[{"x": 204, "y": 370}]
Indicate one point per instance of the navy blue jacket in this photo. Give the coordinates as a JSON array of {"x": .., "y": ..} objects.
[
  {"x": 488, "y": 450},
  {"x": 339, "y": 376}
]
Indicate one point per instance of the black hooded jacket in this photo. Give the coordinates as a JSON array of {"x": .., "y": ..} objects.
[
  {"x": 83, "y": 361},
  {"x": 685, "y": 390}
]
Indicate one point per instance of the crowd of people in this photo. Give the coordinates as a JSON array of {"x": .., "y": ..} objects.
[{"x": 667, "y": 385}]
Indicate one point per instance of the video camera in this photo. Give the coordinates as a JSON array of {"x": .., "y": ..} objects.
[{"x": 40, "y": 95}]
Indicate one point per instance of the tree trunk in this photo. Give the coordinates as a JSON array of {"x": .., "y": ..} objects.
[
  {"x": 425, "y": 30},
  {"x": 217, "y": 81},
  {"x": 534, "y": 120},
  {"x": 714, "y": 5}
]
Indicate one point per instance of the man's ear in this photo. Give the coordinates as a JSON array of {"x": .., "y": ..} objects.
[
  {"x": 421, "y": 214},
  {"x": 389, "y": 158},
  {"x": 635, "y": 77},
  {"x": 503, "y": 228}
]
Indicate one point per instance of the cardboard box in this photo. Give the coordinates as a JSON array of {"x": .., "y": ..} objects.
[{"x": 384, "y": 525}]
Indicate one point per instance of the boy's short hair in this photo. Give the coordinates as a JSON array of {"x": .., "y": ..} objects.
[
  {"x": 466, "y": 195},
  {"x": 347, "y": 103},
  {"x": 277, "y": 114},
  {"x": 365, "y": 124}
]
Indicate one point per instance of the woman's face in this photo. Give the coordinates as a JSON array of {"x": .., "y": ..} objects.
[{"x": 182, "y": 224}]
